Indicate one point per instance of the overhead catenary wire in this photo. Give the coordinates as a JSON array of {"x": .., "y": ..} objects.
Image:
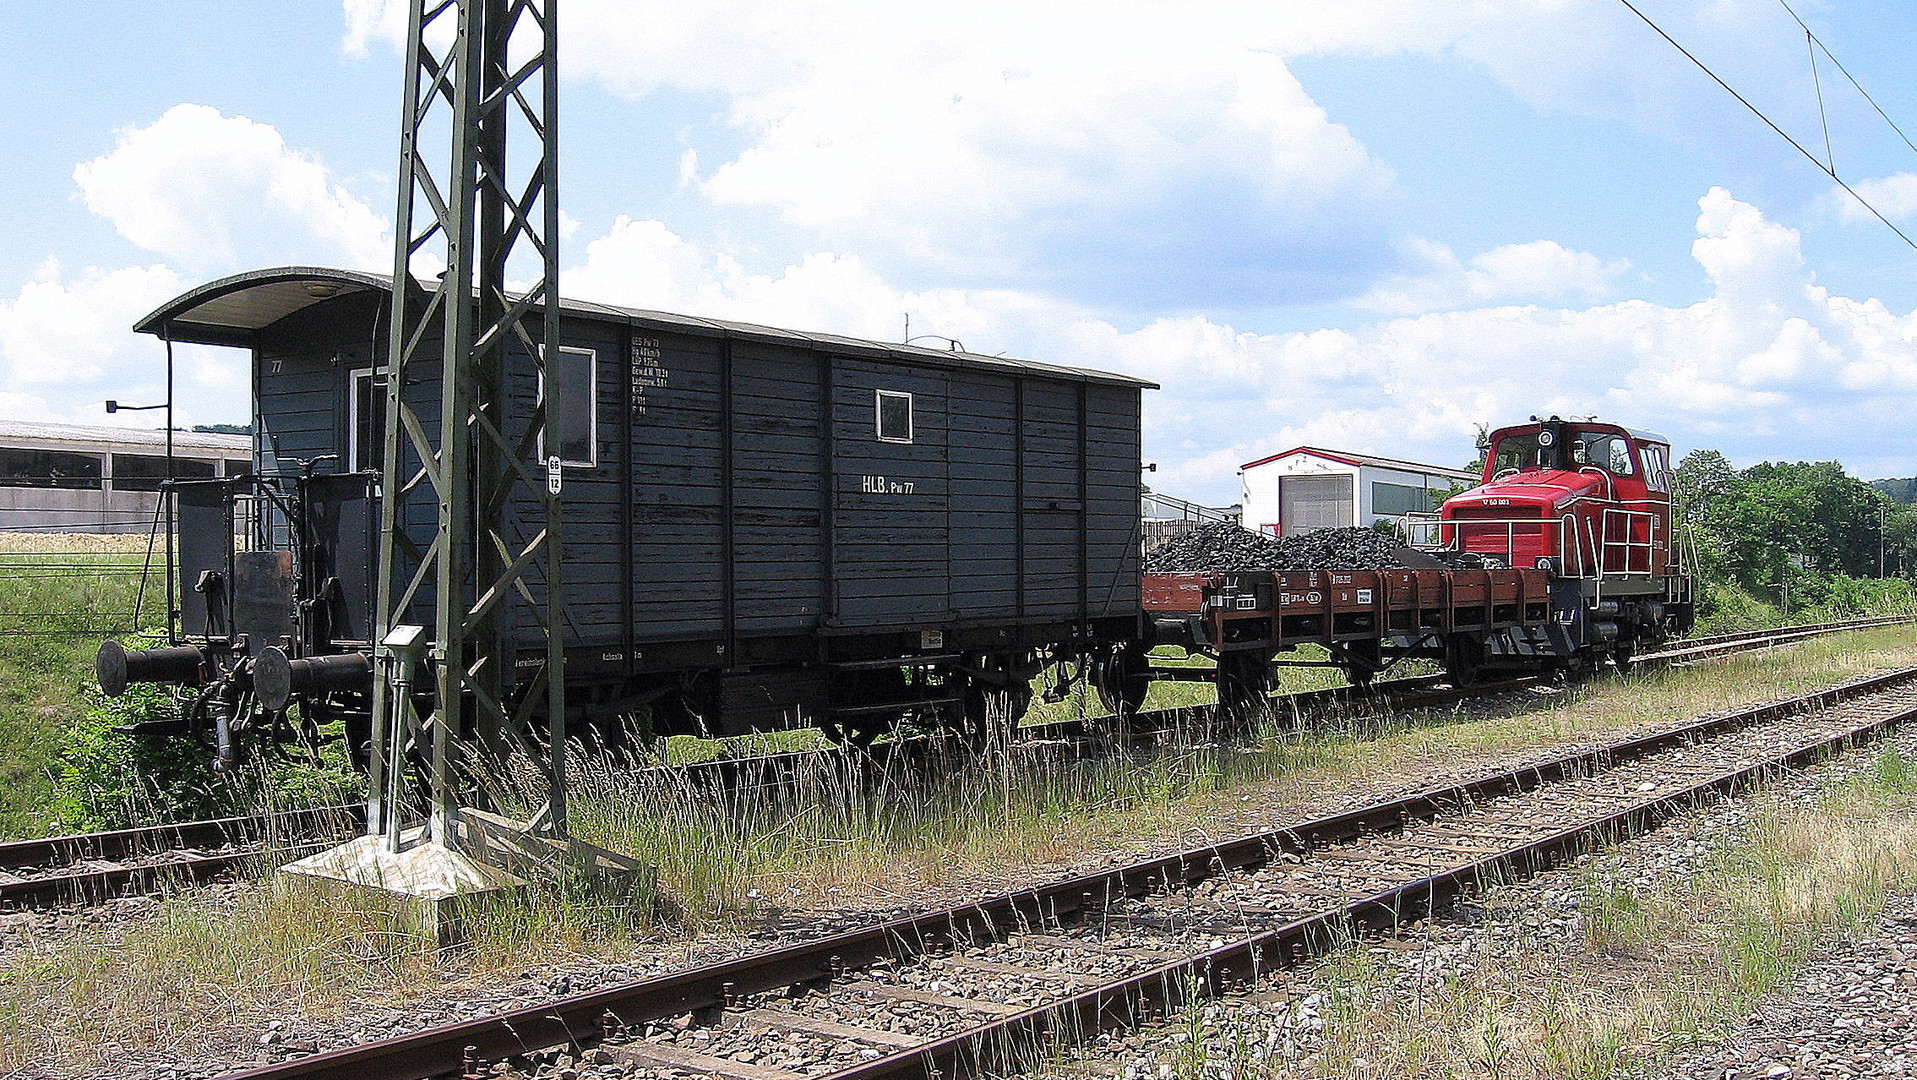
[
  {"x": 1855, "y": 85},
  {"x": 1772, "y": 124},
  {"x": 1830, "y": 156}
]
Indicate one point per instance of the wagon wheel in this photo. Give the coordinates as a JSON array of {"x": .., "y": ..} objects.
[
  {"x": 1621, "y": 656},
  {"x": 1244, "y": 680},
  {"x": 1122, "y": 678},
  {"x": 858, "y": 734},
  {"x": 990, "y": 713},
  {"x": 1361, "y": 662},
  {"x": 1463, "y": 659}
]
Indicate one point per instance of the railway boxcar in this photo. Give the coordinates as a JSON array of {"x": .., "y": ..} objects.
[{"x": 764, "y": 528}]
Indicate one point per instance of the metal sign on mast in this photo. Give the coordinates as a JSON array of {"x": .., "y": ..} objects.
[{"x": 477, "y": 70}]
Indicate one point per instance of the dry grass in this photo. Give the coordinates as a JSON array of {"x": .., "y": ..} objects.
[{"x": 729, "y": 862}]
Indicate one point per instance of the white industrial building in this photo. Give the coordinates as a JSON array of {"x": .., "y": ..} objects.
[
  {"x": 1308, "y": 488},
  {"x": 78, "y": 479}
]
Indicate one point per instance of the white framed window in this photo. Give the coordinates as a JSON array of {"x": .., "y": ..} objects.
[
  {"x": 892, "y": 415},
  {"x": 575, "y": 379},
  {"x": 366, "y": 420}
]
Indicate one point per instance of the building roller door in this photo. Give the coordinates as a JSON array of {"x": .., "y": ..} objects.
[{"x": 1315, "y": 502}]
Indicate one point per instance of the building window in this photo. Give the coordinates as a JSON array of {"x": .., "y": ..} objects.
[
  {"x": 894, "y": 416},
  {"x": 49, "y": 469},
  {"x": 366, "y": 422},
  {"x": 1396, "y": 500},
  {"x": 575, "y": 398},
  {"x": 143, "y": 472},
  {"x": 236, "y": 467}
]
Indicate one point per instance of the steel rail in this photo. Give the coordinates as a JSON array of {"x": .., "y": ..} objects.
[
  {"x": 572, "y": 1020},
  {"x": 217, "y": 832},
  {"x": 94, "y": 884},
  {"x": 1022, "y": 1040}
]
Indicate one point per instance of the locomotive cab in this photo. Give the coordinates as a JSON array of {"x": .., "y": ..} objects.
[{"x": 1590, "y": 503}]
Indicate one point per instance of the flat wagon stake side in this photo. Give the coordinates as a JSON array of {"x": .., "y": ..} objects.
[{"x": 1366, "y": 619}]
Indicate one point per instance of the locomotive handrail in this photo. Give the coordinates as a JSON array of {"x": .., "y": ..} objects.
[
  {"x": 1568, "y": 527},
  {"x": 1628, "y": 546},
  {"x": 1619, "y": 541}
]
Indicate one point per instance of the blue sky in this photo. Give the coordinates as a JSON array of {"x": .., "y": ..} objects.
[{"x": 1370, "y": 225}]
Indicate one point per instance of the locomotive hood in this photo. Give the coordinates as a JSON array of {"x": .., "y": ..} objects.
[{"x": 1536, "y": 491}]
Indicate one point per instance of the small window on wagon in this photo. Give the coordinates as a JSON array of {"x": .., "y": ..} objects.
[
  {"x": 574, "y": 378},
  {"x": 894, "y": 416}
]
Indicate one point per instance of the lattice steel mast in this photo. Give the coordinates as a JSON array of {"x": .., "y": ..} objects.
[{"x": 477, "y": 70}]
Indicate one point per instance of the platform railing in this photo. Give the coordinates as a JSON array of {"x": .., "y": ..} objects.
[{"x": 1426, "y": 532}]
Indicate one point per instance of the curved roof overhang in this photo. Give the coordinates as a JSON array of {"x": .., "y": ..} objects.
[
  {"x": 236, "y": 310},
  {"x": 233, "y": 310}
]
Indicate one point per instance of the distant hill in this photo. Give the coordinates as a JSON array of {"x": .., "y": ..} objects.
[{"x": 1902, "y": 490}]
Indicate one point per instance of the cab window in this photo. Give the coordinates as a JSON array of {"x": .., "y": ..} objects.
[
  {"x": 1515, "y": 452},
  {"x": 1606, "y": 450},
  {"x": 1657, "y": 474}
]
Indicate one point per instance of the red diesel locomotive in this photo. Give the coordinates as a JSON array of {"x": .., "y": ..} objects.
[{"x": 1564, "y": 557}]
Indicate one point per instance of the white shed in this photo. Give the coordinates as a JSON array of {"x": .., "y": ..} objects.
[{"x": 1308, "y": 488}]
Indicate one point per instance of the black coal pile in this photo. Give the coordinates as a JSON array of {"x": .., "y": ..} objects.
[{"x": 1222, "y": 547}]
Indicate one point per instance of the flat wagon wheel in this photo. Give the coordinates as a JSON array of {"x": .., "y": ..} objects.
[
  {"x": 858, "y": 734},
  {"x": 1463, "y": 658},
  {"x": 1361, "y": 661},
  {"x": 1244, "y": 681}
]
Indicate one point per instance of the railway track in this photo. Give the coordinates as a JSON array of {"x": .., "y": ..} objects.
[
  {"x": 92, "y": 867},
  {"x": 1001, "y": 985}
]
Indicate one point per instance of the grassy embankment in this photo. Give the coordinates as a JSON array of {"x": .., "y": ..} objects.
[
  {"x": 59, "y": 596},
  {"x": 729, "y": 864}
]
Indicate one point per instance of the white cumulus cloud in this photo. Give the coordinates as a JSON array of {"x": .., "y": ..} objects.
[
  {"x": 65, "y": 330},
  {"x": 1894, "y": 196},
  {"x": 211, "y": 191},
  {"x": 1768, "y": 363},
  {"x": 1538, "y": 271}
]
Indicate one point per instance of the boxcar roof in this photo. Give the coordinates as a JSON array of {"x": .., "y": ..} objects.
[{"x": 235, "y": 310}]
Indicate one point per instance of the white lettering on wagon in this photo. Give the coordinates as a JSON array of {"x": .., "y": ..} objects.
[
  {"x": 879, "y": 485},
  {"x": 1364, "y": 596},
  {"x": 648, "y": 372}
]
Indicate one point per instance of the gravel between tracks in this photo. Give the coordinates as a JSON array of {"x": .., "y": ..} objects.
[{"x": 1852, "y": 1014}]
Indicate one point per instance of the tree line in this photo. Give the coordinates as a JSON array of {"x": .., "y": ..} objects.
[{"x": 1798, "y": 535}]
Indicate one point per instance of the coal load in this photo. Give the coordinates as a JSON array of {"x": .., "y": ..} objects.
[{"x": 1224, "y": 548}]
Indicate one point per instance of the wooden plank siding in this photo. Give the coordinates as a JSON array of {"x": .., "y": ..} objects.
[{"x": 741, "y": 490}]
